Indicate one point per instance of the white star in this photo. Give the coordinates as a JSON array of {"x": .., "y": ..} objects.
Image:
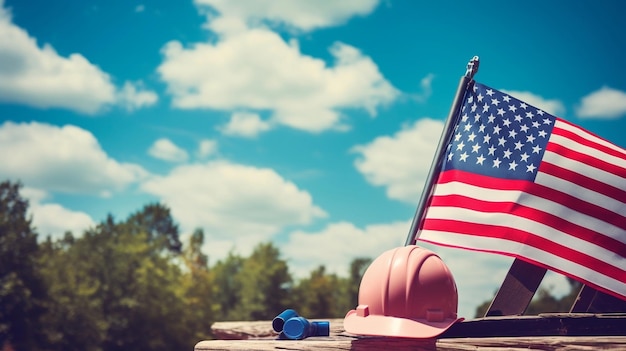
[
  {"x": 530, "y": 138},
  {"x": 501, "y": 112},
  {"x": 512, "y": 165},
  {"x": 523, "y": 105},
  {"x": 512, "y": 134},
  {"x": 464, "y": 118},
  {"x": 547, "y": 121},
  {"x": 475, "y": 148},
  {"x": 495, "y": 102},
  {"x": 525, "y": 157},
  {"x": 492, "y": 150},
  {"x": 471, "y": 137},
  {"x": 524, "y": 128},
  {"x": 536, "y": 149},
  {"x": 491, "y": 118},
  {"x": 542, "y": 133},
  {"x": 480, "y": 97},
  {"x": 501, "y": 141},
  {"x": 536, "y": 124},
  {"x": 497, "y": 129},
  {"x": 512, "y": 108},
  {"x": 467, "y": 127},
  {"x": 489, "y": 92},
  {"x": 477, "y": 118},
  {"x": 470, "y": 99},
  {"x": 506, "y": 98},
  {"x": 486, "y": 139},
  {"x": 506, "y": 122},
  {"x": 460, "y": 146},
  {"x": 530, "y": 168},
  {"x": 529, "y": 114},
  {"x": 507, "y": 154},
  {"x": 474, "y": 107},
  {"x": 540, "y": 113},
  {"x": 450, "y": 156},
  {"x": 518, "y": 145},
  {"x": 481, "y": 129},
  {"x": 485, "y": 108},
  {"x": 496, "y": 163},
  {"x": 464, "y": 157},
  {"x": 480, "y": 159},
  {"x": 518, "y": 118},
  {"x": 457, "y": 136}
]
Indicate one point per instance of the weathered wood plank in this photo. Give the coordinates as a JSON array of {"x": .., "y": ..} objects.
[
  {"x": 362, "y": 344},
  {"x": 517, "y": 290},
  {"x": 261, "y": 337}
]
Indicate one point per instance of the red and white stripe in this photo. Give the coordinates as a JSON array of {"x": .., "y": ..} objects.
[{"x": 570, "y": 220}]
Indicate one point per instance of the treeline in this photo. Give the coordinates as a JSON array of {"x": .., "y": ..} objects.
[{"x": 133, "y": 285}]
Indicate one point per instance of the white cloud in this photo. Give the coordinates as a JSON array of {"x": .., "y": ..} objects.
[
  {"x": 401, "y": 162},
  {"x": 38, "y": 76},
  {"x": 553, "y": 107},
  {"x": 53, "y": 219},
  {"x": 300, "y": 14},
  {"x": 338, "y": 244},
  {"x": 133, "y": 96},
  {"x": 165, "y": 149},
  {"x": 257, "y": 70},
  {"x": 206, "y": 148},
  {"x": 427, "y": 90},
  {"x": 245, "y": 124},
  {"x": 235, "y": 204},
  {"x": 604, "y": 103},
  {"x": 67, "y": 159}
]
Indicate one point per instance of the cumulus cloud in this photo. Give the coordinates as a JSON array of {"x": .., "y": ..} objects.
[
  {"x": 308, "y": 250},
  {"x": 38, "y": 76},
  {"x": 237, "y": 205},
  {"x": 245, "y": 124},
  {"x": 206, "y": 148},
  {"x": 257, "y": 70},
  {"x": 53, "y": 219},
  {"x": 400, "y": 162},
  {"x": 165, "y": 149},
  {"x": 133, "y": 96},
  {"x": 552, "y": 106},
  {"x": 603, "y": 103},
  {"x": 66, "y": 159},
  {"x": 303, "y": 15}
]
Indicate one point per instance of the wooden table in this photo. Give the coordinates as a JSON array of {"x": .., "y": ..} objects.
[{"x": 260, "y": 336}]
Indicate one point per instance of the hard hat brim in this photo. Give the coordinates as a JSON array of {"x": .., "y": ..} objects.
[{"x": 378, "y": 325}]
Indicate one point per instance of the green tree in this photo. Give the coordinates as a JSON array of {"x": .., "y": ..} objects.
[
  {"x": 226, "y": 286},
  {"x": 156, "y": 221},
  {"x": 265, "y": 283},
  {"x": 119, "y": 288},
  {"x": 197, "y": 283},
  {"x": 358, "y": 266},
  {"x": 22, "y": 290},
  {"x": 321, "y": 295}
]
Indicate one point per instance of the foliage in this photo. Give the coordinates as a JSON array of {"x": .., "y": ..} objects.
[
  {"x": 22, "y": 292},
  {"x": 133, "y": 285}
]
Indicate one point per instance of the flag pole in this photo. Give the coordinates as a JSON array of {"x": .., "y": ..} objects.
[{"x": 446, "y": 135}]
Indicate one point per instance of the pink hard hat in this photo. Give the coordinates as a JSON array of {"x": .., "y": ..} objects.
[{"x": 406, "y": 292}]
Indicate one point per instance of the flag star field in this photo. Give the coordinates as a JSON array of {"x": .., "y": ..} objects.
[{"x": 310, "y": 124}]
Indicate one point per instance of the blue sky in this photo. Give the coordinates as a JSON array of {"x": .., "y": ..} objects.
[{"x": 308, "y": 123}]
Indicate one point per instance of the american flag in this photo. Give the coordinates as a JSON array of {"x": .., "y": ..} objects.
[{"x": 520, "y": 182}]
